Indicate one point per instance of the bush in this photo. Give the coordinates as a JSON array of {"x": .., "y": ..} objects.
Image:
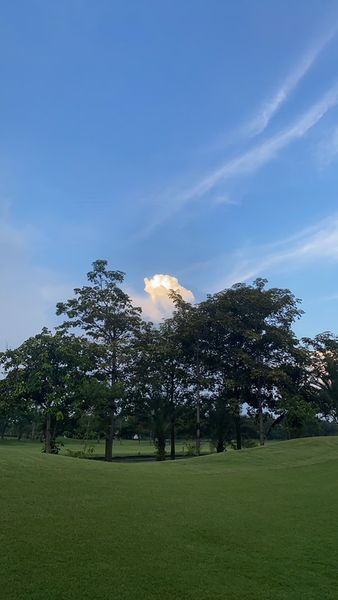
[
  {"x": 212, "y": 446},
  {"x": 249, "y": 443},
  {"x": 189, "y": 448},
  {"x": 85, "y": 452},
  {"x": 246, "y": 443}
]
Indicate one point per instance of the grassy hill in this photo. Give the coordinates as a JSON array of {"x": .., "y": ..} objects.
[{"x": 260, "y": 524}]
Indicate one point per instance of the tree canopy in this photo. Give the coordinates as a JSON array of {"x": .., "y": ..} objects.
[{"x": 229, "y": 367}]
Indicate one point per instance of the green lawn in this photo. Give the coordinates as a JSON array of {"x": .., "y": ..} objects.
[
  {"x": 260, "y": 524},
  {"x": 121, "y": 448},
  {"x": 127, "y": 447}
]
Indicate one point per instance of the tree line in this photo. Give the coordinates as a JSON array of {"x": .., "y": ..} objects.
[{"x": 224, "y": 367}]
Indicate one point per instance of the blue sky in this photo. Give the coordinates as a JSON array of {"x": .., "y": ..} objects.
[{"x": 191, "y": 138}]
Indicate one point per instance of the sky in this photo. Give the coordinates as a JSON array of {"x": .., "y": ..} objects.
[{"x": 192, "y": 139}]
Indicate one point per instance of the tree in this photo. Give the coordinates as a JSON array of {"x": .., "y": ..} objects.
[
  {"x": 191, "y": 332},
  {"x": 220, "y": 421},
  {"x": 172, "y": 371},
  {"x": 146, "y": 389},
  {"x": 15, "y": 410},
  {"x": 104, "y": 314},
  {"x": 45, "y": 372},
  {"x": 248, "y": 340},
  {"x": 322, "y": 373}
]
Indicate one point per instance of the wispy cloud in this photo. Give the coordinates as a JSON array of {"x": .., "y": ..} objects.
[
  {"x": 330, "y": 298},
  {"x": 259, "y": 155},
  {"x": 260, "y": 122},
  {"x": 225, "y": 200},
  {"x": 327, "y": 150},
  {"x": 316, "y": 244},
  {"x": 249, "y": 161},
  {"x": 28, "y": 292}
]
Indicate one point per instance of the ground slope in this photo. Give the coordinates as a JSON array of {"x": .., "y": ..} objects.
[{"x": 259, "y": 524}]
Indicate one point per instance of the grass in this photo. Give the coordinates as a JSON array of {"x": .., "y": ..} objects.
[
  {"x": 260, "y": 524},
  {"x": 126, "y": 447},
  {"x": 121, "y": 448}
]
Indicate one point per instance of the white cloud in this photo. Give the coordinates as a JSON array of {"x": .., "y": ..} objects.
[
  {"x": 315, "y": 244},
  {"x": 260, "y": 122},
  {"x": 329, "y": 298},
  {"x": 158, "y": 305},
  {"x": 328, "y": 149},
  {"x": 249, "y": 161},
  {"x": 225, "y": 200},
  {"x": 159, "y": 286},
  {"x": 255, "y": 158}
]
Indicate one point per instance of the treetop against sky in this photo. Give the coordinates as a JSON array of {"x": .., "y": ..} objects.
[{"x": 193, "y": 140}]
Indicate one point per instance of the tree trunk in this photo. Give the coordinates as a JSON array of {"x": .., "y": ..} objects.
[
  {"x": 33, "y": 430},
  {"x": 172, "y": 439},
  {"x": 220, "y": 445},
  {"x": 276, "y": 422},
  {"x": 198, "y": 429},
  {"x": 53, "y": 438},
  {"x": 172, "y": 414},
  {"x": 20, "y": 430},
  {"x": 261, "y": 424},
  {"x": 198, "y": 415},
  {"x": 160, "y": 445},
  {"x": 48, "y": 436},
  {"x": 109, "y": 440},
  {"x": 159, "y": 436},
  {"x": 237, "y": 420},
  {"x": 3, "y": 429}
]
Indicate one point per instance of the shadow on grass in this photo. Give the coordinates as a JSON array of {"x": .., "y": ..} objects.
[{"x": 139, "y": 459}]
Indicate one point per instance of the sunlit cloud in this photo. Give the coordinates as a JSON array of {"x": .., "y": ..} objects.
[
  {"x": 159, "y": 286},
  {"x": 157, "y": 304}
]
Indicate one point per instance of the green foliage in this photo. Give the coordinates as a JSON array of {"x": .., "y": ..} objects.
[
  {"x": 44, "y": 373},
  {"x": 104, "y": 314},
  {"x": 87, "y": 451},
  {"x": 189, "y": 448},
  {"x": 198, "y": 373},
  {"x": 322, "y": 373}
]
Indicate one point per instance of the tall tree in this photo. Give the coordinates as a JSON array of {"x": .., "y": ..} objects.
[
  {"x": 191, "y": 327},
  {"x": 103, "y": 313},
  {"x": 146, "y": 389},
  {"x": 172, "y": 365}
]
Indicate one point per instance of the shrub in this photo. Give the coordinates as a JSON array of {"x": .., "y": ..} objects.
[
  {"x": 189, "y": 448},
  {"x": 85, "y": 452}
]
